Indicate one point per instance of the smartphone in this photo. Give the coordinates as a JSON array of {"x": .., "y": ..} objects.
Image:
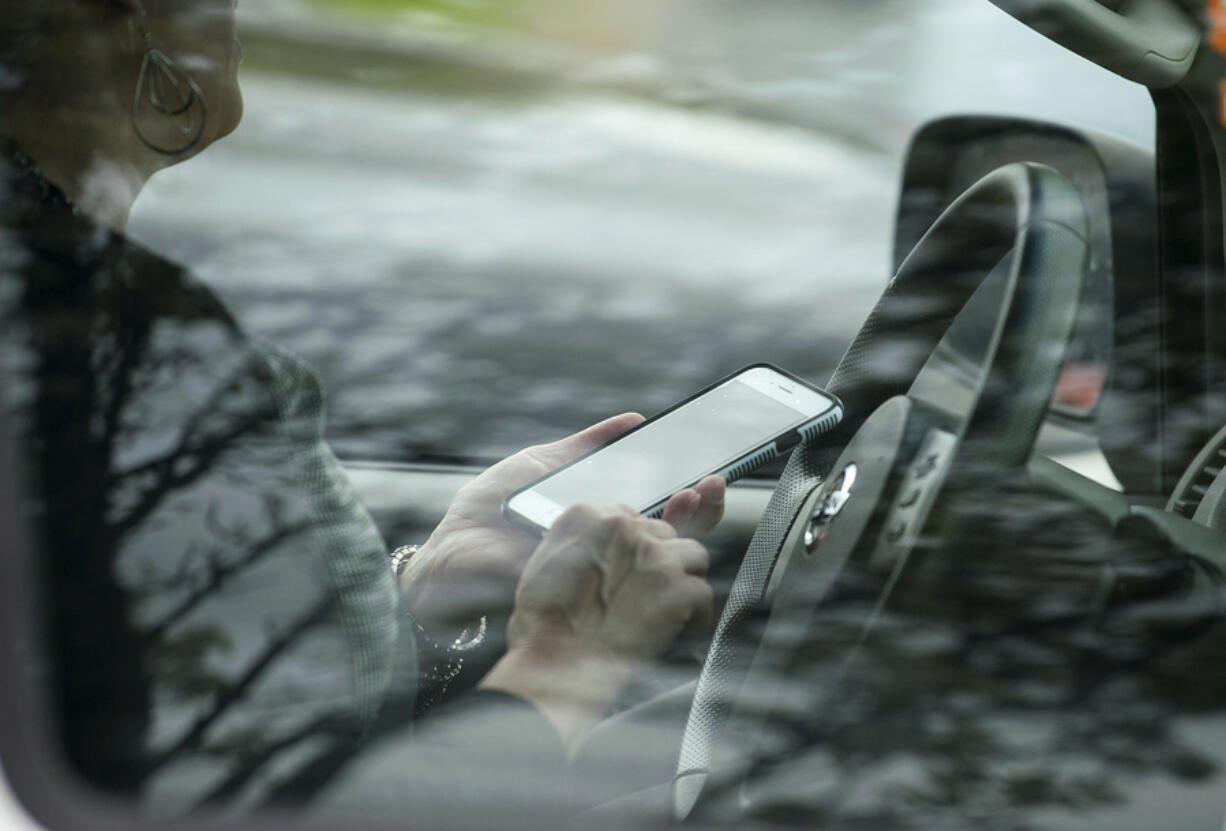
[{"x": 730, "y": 428}]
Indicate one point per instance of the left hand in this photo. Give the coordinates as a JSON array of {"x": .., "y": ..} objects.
[{"x": 472, "y": 562}]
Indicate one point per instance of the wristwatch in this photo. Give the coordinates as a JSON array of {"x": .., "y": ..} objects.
[
  {"x": 469, "y": 638},
  {"x": 439, "y": 664}
]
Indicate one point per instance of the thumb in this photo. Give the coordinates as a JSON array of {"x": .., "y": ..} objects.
[{"x": 562, "y": 451}]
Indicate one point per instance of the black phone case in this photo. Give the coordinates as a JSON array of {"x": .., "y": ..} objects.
[{"x": 737, "y": 469}]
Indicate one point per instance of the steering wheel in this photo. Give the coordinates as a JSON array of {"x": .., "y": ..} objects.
[{"x": 864, "y": 494}]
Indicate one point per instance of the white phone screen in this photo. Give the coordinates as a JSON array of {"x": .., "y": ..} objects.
[{"x": 676, "y": 449}]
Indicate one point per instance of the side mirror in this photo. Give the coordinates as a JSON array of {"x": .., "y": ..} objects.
[{"x": 1151, "y": 42}]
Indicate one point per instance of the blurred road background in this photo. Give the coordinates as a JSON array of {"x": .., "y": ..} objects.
[{"x": 490, "y": 222}]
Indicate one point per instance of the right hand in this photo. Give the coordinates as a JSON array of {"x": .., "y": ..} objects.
[{"x": 606, "y": 592}]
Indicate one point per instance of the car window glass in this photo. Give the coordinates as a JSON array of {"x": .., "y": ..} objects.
[
  {"x": 446, "y": 230},
  {"x": 641, "y": 206}
]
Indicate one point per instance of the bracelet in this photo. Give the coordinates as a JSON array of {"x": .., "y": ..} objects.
[
  {"x": 400, "y": 558},
  {"x": 469, "y": 638}
]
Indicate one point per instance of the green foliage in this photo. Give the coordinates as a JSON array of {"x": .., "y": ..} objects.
[{"x": 491, "y": 13}]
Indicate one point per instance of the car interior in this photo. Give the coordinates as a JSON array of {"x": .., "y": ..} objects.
[{"x": 994, "y": 596}]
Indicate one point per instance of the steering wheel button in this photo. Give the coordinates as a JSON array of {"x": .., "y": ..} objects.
[
  {"x": 910, "y": 497},
  {"x": 925, "y": 467},
  {"x": 896, "y": 531}
]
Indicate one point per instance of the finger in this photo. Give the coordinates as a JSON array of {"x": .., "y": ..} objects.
[
  {"x": 681, "y": 509},
  {"x": 657, "y": 529},
  {"x": 688, "y": 556},
  {"x": 622, "y": 539},
  {"x": 575, "y": 521},
  {"x": 713, "y": 488},
  {"x": 653, "y": 545},
  {"x": 531, "y": 463},
  {"x": 617, "y": 533},
  {"x": 576, "y": 552},
  {"x": 701, "y": 600},
  {"x": 711, "y": 492},
  {"x": 654, "y": 528},
  {"x": 564, "y": 450},
  {"x": 695, "y": 559},
  {"x": 678, "y": 558}
]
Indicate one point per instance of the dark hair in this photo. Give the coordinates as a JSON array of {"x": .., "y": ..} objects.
[
  {"x": 28, "y": 28},
  {"x": 22, "y": 28}
]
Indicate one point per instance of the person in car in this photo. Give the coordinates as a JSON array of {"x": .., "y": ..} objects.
[{"x": 225, "y": 625}]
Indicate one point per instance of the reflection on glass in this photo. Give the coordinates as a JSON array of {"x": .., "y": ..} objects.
[{"x": 478, "y": 249}]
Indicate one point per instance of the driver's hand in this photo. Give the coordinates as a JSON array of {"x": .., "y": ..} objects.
[
  {"x": 606, "y": 592},
  {"x": 473, "y": 560}
]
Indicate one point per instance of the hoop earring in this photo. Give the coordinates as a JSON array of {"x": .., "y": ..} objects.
[{"x": 172, "y": 94}]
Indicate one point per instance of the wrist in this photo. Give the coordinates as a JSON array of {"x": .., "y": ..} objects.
[
  {"x": 574, "y": 693},
  {"x": 410, "y": 564},
  {"x": 444, "y": 652},
  {"x": 399, "y": 560}
]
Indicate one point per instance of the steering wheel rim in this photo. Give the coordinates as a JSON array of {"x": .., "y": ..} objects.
[{"x": 1028, "y": 209}]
